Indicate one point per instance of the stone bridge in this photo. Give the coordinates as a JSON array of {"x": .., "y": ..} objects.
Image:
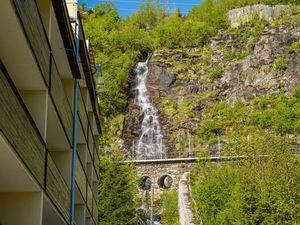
[
  {"x": 162, "y": 175},
  {"x": 159, "y": 174},
  {"x": 166, "y": 173}
]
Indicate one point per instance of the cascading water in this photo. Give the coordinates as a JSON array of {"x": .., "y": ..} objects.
[{"x": 150, "y": 144}]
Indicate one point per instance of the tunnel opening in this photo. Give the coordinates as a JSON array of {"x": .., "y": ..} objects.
[
  {"x": 145, "y": 183},
  {"x": 165, "y": 182}
]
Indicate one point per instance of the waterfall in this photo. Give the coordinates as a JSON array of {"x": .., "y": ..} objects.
[{"x": 150, "y": 144}]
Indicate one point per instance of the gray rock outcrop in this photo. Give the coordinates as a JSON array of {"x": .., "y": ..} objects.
[{"x": 268, "y": 12}]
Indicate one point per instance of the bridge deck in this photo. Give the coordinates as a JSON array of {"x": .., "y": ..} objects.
[{"x": 185, "y": 160}]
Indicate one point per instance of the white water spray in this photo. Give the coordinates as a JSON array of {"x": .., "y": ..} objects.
[{"x": 150, "y": 144}]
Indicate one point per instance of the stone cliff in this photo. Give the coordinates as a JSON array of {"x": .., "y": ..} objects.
[{"x": 257, "y": 57}]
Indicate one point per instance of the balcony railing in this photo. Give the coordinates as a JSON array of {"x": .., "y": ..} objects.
[
  {"x": 82, "y": 113},
  {"x": 95, "y": 211},
  {"x": 96, "y": 162},
  {"x": 57, "y": 189},
  {"x": 90, "y": 198},
  {"x": 31, "y": 22},
  {"x": 81, "y": 178},
  {"x": 18, "y": 127},
  {"x": 60, "y": 100},
  {"x": 86, "y": 191}
]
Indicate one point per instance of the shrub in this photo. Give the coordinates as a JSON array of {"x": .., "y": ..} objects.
[
  {"x": 170, "y": 214},
  {"x": 296, "y": 93},
  {"x": 209, "y": 128},
  {"x": 294, "y": 47},
  {"x": 281, "y": 64},
  {"x": 216, "y": 73}
]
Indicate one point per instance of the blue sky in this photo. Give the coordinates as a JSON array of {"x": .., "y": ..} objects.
[{"x": 127, "y": 7}]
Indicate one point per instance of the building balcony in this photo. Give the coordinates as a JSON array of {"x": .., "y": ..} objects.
[
  {"x": 60, "y": 100},
  {"x": 34, "y": 30},
  {"x": 36, "y": 116},
  {"x": 20, "y": 130},
  {"x": 57, "y": 189}
]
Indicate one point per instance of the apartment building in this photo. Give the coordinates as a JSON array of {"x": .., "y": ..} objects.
[{"x": 49, "y": 116}]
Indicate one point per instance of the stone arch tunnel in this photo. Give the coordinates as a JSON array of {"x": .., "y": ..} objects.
[{"x": 158, "y": 173}]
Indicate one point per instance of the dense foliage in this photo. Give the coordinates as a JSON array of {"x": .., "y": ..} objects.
[
  {"x": 278, "y": 113},
  {"x": 262, "y": 189},
  {"x": 170, "y": 214},
  {"x": 117, "y": 193}
]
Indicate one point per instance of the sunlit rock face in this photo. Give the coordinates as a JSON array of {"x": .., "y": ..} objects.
[
  {"x": 183, "y": 83},
  {"x": 241, "y": 15}
]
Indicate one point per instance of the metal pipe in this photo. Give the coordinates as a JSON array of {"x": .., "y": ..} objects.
[{"x": 74, "y": 152}]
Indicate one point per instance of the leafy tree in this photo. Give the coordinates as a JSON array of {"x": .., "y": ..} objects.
[
  {"x": 262, "y": 189},
  {"x": 82, "y": 5},
  {"x": 105, "y": 8},
  {"x": 149, "y": 14},
  {"x": 117, "y": 193}
]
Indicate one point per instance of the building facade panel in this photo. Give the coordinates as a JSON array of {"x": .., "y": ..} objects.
[
  {"x": 81, "y": 179},
  {"x": 57, "y": 189},
  {"x": 19, "y": 129},
  {"x": 60, "y": 100},
  {"x": 31, "y": 21},
  {"x": 83, "y": 113},
  {"x": 89, "y": 198}
]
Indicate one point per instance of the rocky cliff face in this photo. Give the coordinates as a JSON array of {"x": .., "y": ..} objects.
[
  {"x": 268, "y": 12},
  {"x": 257, "y": 58}
]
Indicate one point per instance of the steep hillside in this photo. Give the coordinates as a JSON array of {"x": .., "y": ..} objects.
[{"x": 243, "y": 80}]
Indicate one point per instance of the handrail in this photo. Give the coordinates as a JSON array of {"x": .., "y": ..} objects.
[
  {"x": 185, "y": 160},
  {"x": 193, "y": 159}
]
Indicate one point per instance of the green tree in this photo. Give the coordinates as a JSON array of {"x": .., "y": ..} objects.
[
  {"x": 117, "y": 193},
  {"x": 262, "y": 189},
  {"x": 82, "y": 5},
  {"x": 149, "y": 14}
]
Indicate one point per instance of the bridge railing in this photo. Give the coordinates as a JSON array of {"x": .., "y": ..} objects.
[{"x": 191, "y": 151}]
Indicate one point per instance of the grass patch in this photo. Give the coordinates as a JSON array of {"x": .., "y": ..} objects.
[{"x": 170, "y": 215}]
